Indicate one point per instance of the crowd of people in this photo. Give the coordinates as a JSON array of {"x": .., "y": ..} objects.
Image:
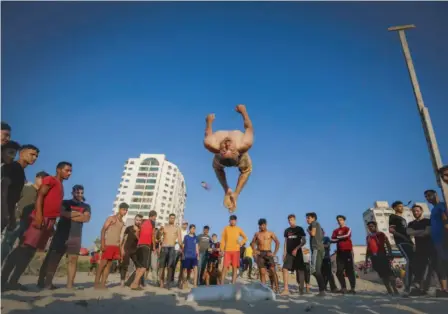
[{"x": 33, "y": 213}]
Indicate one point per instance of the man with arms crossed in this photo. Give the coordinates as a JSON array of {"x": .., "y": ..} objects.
[
  {"x": 110, "y": 245},
  {"x": 171, "y": 234},
  {"x": 262, "y": 245},
  {"x": 344, "y": 255},
  {"x": 295, "y": 239},
  {"x": 67, "y": 239},
  {"x": 317, "y": 250},
  {"x": 231, "y": 150},
  {"x": 146, "y": 244},
  {"x": 43, "y": 218},
  {"x": 231, "y": 244},
  {"x": 420, "y": 229}
]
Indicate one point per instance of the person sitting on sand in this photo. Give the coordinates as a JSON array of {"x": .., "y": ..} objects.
[{"x": 231, "y": 150}]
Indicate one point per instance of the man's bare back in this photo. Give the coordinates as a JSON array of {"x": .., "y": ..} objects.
[{"x": 230, "y": 149}]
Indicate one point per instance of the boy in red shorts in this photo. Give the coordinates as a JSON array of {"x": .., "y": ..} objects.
[
  {"x": 110, "y": 245},
  {"x": 231, "y": 243},
  {"x": 43, "y": 219}
]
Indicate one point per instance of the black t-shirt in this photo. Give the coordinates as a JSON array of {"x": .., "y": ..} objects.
[
  {"x": 293, "y": 238},
  {"x": 15, "y": 174},
  {"x": 400, "y": 225},
  {"x": 130, "y": 245},
  {"x": 68, "y": 228},
  {"x": 422, "y": 244}
]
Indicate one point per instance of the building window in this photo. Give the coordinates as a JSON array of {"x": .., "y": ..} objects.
[
  {"x": 150, "y": 162},
  {"x": 164, "y": 198},
  {"x": 130, "y": 168},
  {"x": 170, "y": 199},
  {"x": 154, "y": 169},
  {"x": 172, "y": 181},
  {"x": 169, "y": 167},
  {"x": 166, "y": 185},
  {"x": 134, "y": 206},
  {"x": 153, "y": 181},
  {"x": 143, "y": 169},
  {"x": 145, "y": 207},
  {"x": 149, "y": 187},
  {"x": 123, "y": 193},
  {"x": 136, "y": 199},
  {"x": 131, "y": 163},
  {"x": 127, "y": 180},
  {"x": 171, "y": 193},
  {"x": 163, "y": 204},
  {"x": 139, "y": 187},
  {"x": 121, "y": 199},
  {"x": 137, "y": 193},
  {"x": 142, "y": 175},
  {"x": 140, "y": 181},
  {"x": 175, "y": 169},
  {"x": 165, "y": 191},
  {"x": 125, "y": 187},
  {"x": 128, "y": 174},
  {"x": 132, "y": 213},
  {"x": 168, "y": 173},
  {"x": 146, "y": 200},
  {"x": 148, "y": 193},
  {"x": 152, "y": 175}
]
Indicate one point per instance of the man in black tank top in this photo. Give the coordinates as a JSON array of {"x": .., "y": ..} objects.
[{"x": 128, "y": 247}]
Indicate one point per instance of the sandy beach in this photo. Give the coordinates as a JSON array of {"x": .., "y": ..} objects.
[{"x": 370, "y": 299}]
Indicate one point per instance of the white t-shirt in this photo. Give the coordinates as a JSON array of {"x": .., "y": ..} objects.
[{"x": 183, "y": 234}]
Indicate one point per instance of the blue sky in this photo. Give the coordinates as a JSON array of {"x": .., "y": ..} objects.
[{"x": 336, "y": 125}]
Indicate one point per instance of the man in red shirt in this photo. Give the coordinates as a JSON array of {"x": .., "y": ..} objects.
[
  {"x": 379, "y": 251},
  {"x": 43, "y": 218},
  {"x": 146, "y": 244},
  {"x": 342, "y": 236}
]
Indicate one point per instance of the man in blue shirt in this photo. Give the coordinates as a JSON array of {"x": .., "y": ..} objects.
[
  {"x": 190, "y": 250},
  {"x": 439, "y": 235}
]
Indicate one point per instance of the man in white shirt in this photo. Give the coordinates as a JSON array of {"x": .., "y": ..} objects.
[{"x": 177, "y": 248}]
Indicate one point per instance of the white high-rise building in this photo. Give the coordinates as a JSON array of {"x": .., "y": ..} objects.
[
  {"x": 151, "y": 182},
  {"x": 380, "y": 214}
]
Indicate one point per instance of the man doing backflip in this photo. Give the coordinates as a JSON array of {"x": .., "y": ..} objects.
[
  {"x": 231, "y": 150},
  {"x": 262, "y": 244}
]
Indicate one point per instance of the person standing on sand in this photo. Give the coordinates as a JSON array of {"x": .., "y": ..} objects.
[
  {"x": 190, "y": 250},
  {"x": 212, "y": 273},
  {"x": 94, "y": 259},
  {"x": 146, "y": 244},
  {"x": 262, "y": 247},
  {"x": 326, "y": 265},
  {"x": 178, "y": 248},
  {"x": 293, "y": 259},
  {"x": 379, "y": 251},
  {"x": 171, "y": 234},
  {"x": 230, "y": 244},
  {"x": 47, "y": 210},
  {"x": 231, "y": 150},
  {"x": 110, "y": 245},
  {"x": 317, "y": 250},
  {"x": 67, "y": 239},
  {"x": 128, "y": 247},
  {"x": 204, "y": 241}
]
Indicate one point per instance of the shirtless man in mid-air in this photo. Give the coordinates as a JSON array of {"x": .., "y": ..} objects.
[
  {"x": 231, "y": 150},
  {"x": 261, "y": 245}
]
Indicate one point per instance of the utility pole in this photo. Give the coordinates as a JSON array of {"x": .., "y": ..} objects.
[{"x": 422, "y": 110}]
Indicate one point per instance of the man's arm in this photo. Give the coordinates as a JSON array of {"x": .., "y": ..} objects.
[
  {"x": 346, "y": 235},
  {"x": 248, "y": 138},
  {"x": 388, "y": 246},
  {"x": 179, "y": 236},
  {"x": 84, "y": 217},
  {"x": 223, "y": 240},
  {"x": 243, "y": 235},
  {"x": 41, "y": 194},
  {"x": 253, "y": 242},
  {"x": 210, "y": 141},
  {"x": 277, "y": 243},
  {"x": 123, "y": 241},
  {"x": 313, "y": 231}
]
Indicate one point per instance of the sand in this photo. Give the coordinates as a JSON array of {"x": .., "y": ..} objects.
[{"x": 370, "y": 299}]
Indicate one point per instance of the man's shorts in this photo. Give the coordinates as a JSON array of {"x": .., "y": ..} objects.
[
  {"x": 244, "y": 163},
  {"x": 111, "y": 253},
  {"x": 38, "y": 238},
  {"x": 294, "y": 263},
  {"x": 232, "y": 258},
  {"x": 167, "y": 257},
  {"x": 143, "y": 256},
  {"x": 264, "y": 260},
  {"x": 213, "y": 261},
  {"x": 381, "y": 264},
  {"x": 70, "y": 246},
  {"x": 189, "y": 263}
]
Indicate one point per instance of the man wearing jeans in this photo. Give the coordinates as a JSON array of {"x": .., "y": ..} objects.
[
  {"x": 317, "y": 250},
  {"x": 204, "y": 241}
]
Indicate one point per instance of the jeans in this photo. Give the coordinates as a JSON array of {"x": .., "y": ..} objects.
[
  {"x": 344, "y": 262},
  {"x": 328, "y": 274},
  {"x": 155, "y": 266},
  {"x": 317, "y": 258},
  {"x": 407, "y": 250},
  {"x": 202, "y": 265},
  {"x": 11, "y": 237}
]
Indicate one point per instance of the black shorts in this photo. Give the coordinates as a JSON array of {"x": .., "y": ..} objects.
[
  {"x": 381, "y": 264},
  {"x": 64, "y": 245},
  {"x": 143, "y": 259},
  {"x": 293, "y": 263},
  {"x": 213, "y": 261},
  {"x": 264, "y": 260},
  {"x": 167, "y": 257}
]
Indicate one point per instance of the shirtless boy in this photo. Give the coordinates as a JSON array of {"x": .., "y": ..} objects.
[
  {"x": 110, "y": 245},
  {"x": 171, "y": 234},
  {"x": 231, "y": 150},
  {"x": 262, "y": 244}
]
